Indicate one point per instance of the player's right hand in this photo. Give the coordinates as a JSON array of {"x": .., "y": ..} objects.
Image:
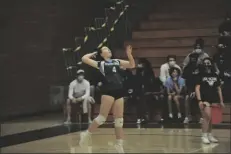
[{"x": 94, "y": 54}]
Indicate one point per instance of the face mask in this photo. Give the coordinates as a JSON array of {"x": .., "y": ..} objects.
[
  {"x": 172, "y": 63},
  {"x": 80, "y": 78},
  {"x": 140, "y": 66},
  {"x": 198, "y": 50}
]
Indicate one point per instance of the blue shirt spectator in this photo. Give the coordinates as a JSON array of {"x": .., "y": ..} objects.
[{"x": 171, "y": 83}]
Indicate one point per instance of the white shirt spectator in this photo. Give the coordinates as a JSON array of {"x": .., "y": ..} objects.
[
  {"x": 164, "y": 71},
  {"x": 77, "y": 89}
]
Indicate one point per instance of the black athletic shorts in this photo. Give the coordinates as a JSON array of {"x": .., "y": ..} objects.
[
  {"x": 117, "y": 93},
  {"x": 210, "y": 98}
]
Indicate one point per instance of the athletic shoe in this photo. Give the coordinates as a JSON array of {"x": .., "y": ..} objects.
[
  {"x": 138, "y": 121},
  {"x": 89, "y": 120},
  {"x": 119, "y": 148},
  {"x": 205, "y": 139},
  {"x": 212, "y": 139},
  {"x": 170, "y": 115},
  {"x": 201, "y": 120},
  {"x": 179, "y": 115},
  {"x": 186, "y": 120},
  {"x": 67, "y": 122},
  {"x": 85, "y": 139}
]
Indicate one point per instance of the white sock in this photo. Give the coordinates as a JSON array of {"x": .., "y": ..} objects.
[
  {"x": 119, "y": 141},
  {"x": 209, "y": 134},
  {"x": 89, "y": 133},
  {"x": 204, "y": 134}
]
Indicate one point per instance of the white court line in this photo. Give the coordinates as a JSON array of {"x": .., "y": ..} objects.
[{"x": 205, "y": 147}]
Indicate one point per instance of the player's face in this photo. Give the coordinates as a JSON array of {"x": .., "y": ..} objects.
[{"x": 106, "y": 52}]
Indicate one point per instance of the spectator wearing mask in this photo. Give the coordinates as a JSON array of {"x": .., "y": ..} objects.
[
  {"x": 175, "y": 85},
  {"x": 198, "y": 49},
  {"x": 79, "y": 92},
  {"x": 164, "y": 69}
]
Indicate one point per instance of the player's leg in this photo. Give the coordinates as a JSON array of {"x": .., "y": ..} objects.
[
  {"x": 210, "y": 136},
  {"x": 205, "y": 111},
  {"x": 118, "y": 111},
  {"x": 106, "y": 104}
]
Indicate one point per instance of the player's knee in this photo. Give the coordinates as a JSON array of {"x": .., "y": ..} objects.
[
  {"x": 119, "y": 122},
  {"x": 169, "y": 97},
  {"x": 100, "y": 119}
]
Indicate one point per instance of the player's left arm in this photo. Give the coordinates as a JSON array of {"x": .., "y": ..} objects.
[{"x": 131, "y": 62}]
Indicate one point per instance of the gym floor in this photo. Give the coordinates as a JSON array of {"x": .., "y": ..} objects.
[{"x": 49, "y": 135}]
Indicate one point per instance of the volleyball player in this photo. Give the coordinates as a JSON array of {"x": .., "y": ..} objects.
[
  {"x": 112, "y": 93},
  {"x": 208, "y": 91}
]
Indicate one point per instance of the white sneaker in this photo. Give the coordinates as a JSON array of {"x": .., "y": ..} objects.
[
  {"x": 179, "y": 115},
  {"x": 212, "y": 139},
  {"x": 67, "y": 122},
  {"x": 138, "y": 121},
  {"x": 85, "y": 139},
  {"x": 89, "y": 120},
  {"x": 170, "y": 115},
  {"x": 201, "y": 120},
  {"x": 186, "y": 120},
  {"x": 205, "y": 140},
  {"x": 119, "y": 148}
]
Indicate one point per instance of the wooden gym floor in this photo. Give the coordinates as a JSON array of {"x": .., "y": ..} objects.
[{"x": 154, "y": 138}]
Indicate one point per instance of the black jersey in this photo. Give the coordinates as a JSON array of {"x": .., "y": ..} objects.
[
  {"x": 208, "y": 86},
  {"x": 112, "y": 76}
]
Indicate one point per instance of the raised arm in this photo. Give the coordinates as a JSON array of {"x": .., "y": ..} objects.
[
  {"x": 131, "y": 62},
  {"x": 87, "y": 60}
]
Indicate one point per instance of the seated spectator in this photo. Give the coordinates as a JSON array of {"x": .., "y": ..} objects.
[
  {"x": 79, "y": 92},
  {"x": 164, "y": 69},
  {"x": 175, "y": 85},
  {"x": 198, "y": 49},
  {"x": 225, "y": 27}
]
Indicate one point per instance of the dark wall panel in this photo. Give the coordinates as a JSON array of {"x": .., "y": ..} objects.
[{"x": 30, "y": 54}]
